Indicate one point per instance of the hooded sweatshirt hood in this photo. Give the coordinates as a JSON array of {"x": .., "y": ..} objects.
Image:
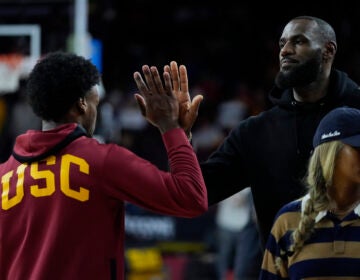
[{"x": 36, "y": 145}]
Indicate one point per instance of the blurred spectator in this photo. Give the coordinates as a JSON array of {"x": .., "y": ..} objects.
[
  {"x": 22, "y": 117},
  {"x": 239, "y": 250},
  {"x": 4, "y": 139},
  {"x": 108, "y": 126},
  {"x": 230, "y": 113},
  {"x": 16, "y": 117},
  {"x": 206, "y": 138}
]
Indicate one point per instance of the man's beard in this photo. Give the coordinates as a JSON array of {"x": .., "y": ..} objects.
[{"x": 300, "y": 75}]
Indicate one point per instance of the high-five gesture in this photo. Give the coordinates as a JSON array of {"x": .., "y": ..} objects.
[
  {"x": 188, "y": 109},
  {"x": 156, "y": 100}
]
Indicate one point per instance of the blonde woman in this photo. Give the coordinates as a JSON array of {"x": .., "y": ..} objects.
[{"x": 318, "y": 236}]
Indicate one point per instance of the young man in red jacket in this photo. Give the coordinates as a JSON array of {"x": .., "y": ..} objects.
[{"x": 63, "y": 192}]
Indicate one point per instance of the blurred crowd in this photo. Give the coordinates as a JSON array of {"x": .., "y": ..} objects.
[{"x": 230, "y": 50}]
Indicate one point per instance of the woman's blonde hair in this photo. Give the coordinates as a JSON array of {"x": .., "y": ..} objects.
[{"x": 319, "y": 177}]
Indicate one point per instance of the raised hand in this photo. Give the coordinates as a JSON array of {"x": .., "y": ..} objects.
[
  {"x": 157, "y": 101},
  {"x": 188, "y": 109}
]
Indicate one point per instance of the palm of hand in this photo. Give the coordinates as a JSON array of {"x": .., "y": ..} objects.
[{"x": 188, "y": 109}]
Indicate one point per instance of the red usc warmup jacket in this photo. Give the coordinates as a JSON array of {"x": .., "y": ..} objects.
[{"x": 62, "y": 202}]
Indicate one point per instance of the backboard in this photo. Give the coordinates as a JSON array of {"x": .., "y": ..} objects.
[{"x": 19, "y": 51}]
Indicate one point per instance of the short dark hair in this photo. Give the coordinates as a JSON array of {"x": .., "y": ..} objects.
[
  {"x": 57, "y": 81},
  {"x": 326, "y": 31}
]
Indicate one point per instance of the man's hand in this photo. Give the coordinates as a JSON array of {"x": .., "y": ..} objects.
[
  {"x": 157, "y": 102},
  {"x": 188, "y": 109}
]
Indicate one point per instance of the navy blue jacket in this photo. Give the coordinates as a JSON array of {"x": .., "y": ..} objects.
[{"x": 269, "y": 152}]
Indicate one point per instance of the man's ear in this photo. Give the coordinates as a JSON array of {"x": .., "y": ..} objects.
[
  {"x": 81, "y": 105},
  {"x": 330, "y": 51}
]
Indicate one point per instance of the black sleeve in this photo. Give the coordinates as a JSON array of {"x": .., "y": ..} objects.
[{"x": 226, "y": 171}]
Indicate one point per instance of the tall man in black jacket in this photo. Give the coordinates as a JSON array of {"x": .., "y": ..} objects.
[{"x": 269, "y": 152}]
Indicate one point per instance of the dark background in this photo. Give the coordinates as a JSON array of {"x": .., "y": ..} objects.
[{"x": 226, "y": 40}]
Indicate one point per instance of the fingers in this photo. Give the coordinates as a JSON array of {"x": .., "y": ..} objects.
[
  {"x": 175, "y": 80},
  {"x": 183, "y": 79},
  {"x": 168, "y": 84},
  {"x": 140, "y": 82},
  {"x": 152, "y": 83},
  {"x": 178, "y": 76},
  {"x": 141, "y": 103},
  {"x": 195, "y": 104},
  {"x": 149, "y": 80},
  {"x": 157, "y": 85},
  {"x": 174, "y": 71}
]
